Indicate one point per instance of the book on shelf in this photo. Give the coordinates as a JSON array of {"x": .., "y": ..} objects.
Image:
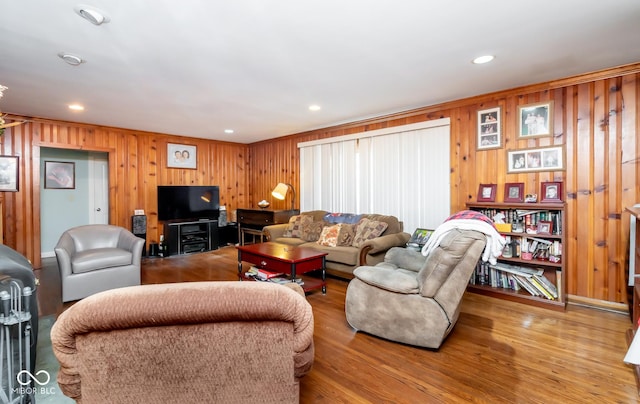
[
  {"x": 283, "y": 280},
  {"x": 517, "y": 270},
  {"x": 279, "y": 280},
  {"x": 546, "y": 283},
  {"x": 535, "y": 281},
  {"x": 516, "y": 278},
  {"x": 265, "y": 274},
  {"x": 261, "y": 274},
  {"x": 526, "y": 285}
]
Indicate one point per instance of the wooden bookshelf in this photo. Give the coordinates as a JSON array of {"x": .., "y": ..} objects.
[{"x": 552, "y": 271}]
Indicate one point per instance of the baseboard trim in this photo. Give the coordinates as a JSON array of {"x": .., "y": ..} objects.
[{"x": 598, "y": 304}]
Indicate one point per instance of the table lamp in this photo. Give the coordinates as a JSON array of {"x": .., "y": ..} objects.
[{"x": 280, "y": 191}]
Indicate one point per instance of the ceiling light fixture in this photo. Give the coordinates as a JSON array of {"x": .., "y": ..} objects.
[
  {"x": 91, "y": 14},
  {"x": 314, "y": 107},
  {"x": 483, "y": 59},
  {"x": 228, "y": 131},
  {"x": 76, "y": 107},
  {"x": 73, "y": 60}
]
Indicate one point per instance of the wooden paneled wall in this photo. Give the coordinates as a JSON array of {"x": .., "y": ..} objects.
[
  {"x": 596, "y": 119},
  {"x": 137, "y": 164}
]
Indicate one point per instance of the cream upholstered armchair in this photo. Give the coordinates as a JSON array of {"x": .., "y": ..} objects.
[
  {"x": 193, "y": 342},
  {"x": 97, "y": 257},
  {"x": 411, "y": 298}
]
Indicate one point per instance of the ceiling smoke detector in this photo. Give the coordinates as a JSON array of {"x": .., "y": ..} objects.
[
  {"x": 91, "y": 14},
  {"x": 73, "y": 60}
]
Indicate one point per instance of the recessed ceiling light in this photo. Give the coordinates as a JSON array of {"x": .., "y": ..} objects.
[
  {"x": 73, "y": 60},
  {"x": 76, "y": 107},
  {"x": 228, "y": 131},
  {"x": 314, "y": 107},
  {"x": 483, "y": 59},
  {"x": 91, "y": 14}
]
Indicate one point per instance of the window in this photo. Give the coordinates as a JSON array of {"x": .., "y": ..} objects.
[{"x": 402, "y": 171}]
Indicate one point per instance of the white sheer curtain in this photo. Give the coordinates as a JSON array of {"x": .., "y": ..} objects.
[{"x": 401, "y": 171}]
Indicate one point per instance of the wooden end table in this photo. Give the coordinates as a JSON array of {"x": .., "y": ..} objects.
[{"x": 287, "y": 259}]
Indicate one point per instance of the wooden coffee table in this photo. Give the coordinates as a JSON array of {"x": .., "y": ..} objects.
[{"x": 291, "y": 260}]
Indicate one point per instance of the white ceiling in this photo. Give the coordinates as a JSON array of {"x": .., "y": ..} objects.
[{"x": 197, "y": 67}]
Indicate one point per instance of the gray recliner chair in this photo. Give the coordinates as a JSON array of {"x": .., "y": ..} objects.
[
  {"x": 98, "y": 257},
  {"x": 413, "y": 299}
]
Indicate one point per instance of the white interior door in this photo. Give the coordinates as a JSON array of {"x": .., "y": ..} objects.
[{"x": 99, "y": 188}]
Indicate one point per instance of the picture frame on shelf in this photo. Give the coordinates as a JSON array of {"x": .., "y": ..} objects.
[
  {"x": 551, "y": 192},
  {"x": 536, "y": 159},
  {"x": 487, "y": 193},
  {"x": 59, "y": 175},
  {"x": 181, "y": 156},
  {"x": 544, "y": 228},
  {"x": 489, "y": 129},
  {"x": 514, "y": 192},
  {"x": 535, "y": 120},
  {"x": 420, "y": 237},
  {"x": 9, "y": 173}
]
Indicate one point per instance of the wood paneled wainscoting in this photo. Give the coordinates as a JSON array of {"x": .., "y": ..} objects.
[
  {"x": 498, "y": 352},
  {"x": 597, "y": 124},
  {"x": 137, "y": 165},
  {"x": 596, "y": 121}
]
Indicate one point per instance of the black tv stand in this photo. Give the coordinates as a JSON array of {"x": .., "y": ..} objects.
[{"x": 191, "y": 236}]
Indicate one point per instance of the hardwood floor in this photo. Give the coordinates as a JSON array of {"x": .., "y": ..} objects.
[{"x": 499, "y": 351}]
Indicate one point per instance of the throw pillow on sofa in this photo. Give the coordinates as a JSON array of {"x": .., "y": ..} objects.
[
  {"x": 294, "y": 229},
  {"x": 312, "y": 231},
  {"x": 346, "y": 234},
  {"x": 367, "y": 229},
  {"x": 337, "y": 235}
]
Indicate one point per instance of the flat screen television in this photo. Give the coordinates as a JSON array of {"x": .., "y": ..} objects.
[{"x": 188, "y": 202}]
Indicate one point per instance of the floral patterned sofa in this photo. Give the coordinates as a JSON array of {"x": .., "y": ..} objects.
[{"x": 351, "y": 240}]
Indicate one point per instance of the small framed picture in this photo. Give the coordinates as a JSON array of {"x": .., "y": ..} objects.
[
  {"x": 181, "y": 156},
  {"x": 514, "y": 192},
  {"x": 545, "y": 228},
  {"x": 551, "y": 192},
  {"x": 535, "y": 120},
  {"x": 9, "y": 173},
  {"x": 539, "y": 159},
  {"x": 487, "y": 193},
  {"x": 489, "y": 129},
  {"x": 420, "y": 237},
  {"x": 59, "y": 175}
]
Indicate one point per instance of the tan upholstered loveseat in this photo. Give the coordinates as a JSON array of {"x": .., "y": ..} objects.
[{"x": 343, "y": 259}]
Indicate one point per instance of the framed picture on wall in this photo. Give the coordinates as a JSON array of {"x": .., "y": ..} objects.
[
  {"x": 181, "y": 156},
  {"x": 535, "y": 120},
  {"x": 538, "y": 159},
  {"x": 487, "y": 193},
  {"x": 489, "y": 129},
  {"x": 9, "y": 173},
  {"x": 59, "y": 175}
]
